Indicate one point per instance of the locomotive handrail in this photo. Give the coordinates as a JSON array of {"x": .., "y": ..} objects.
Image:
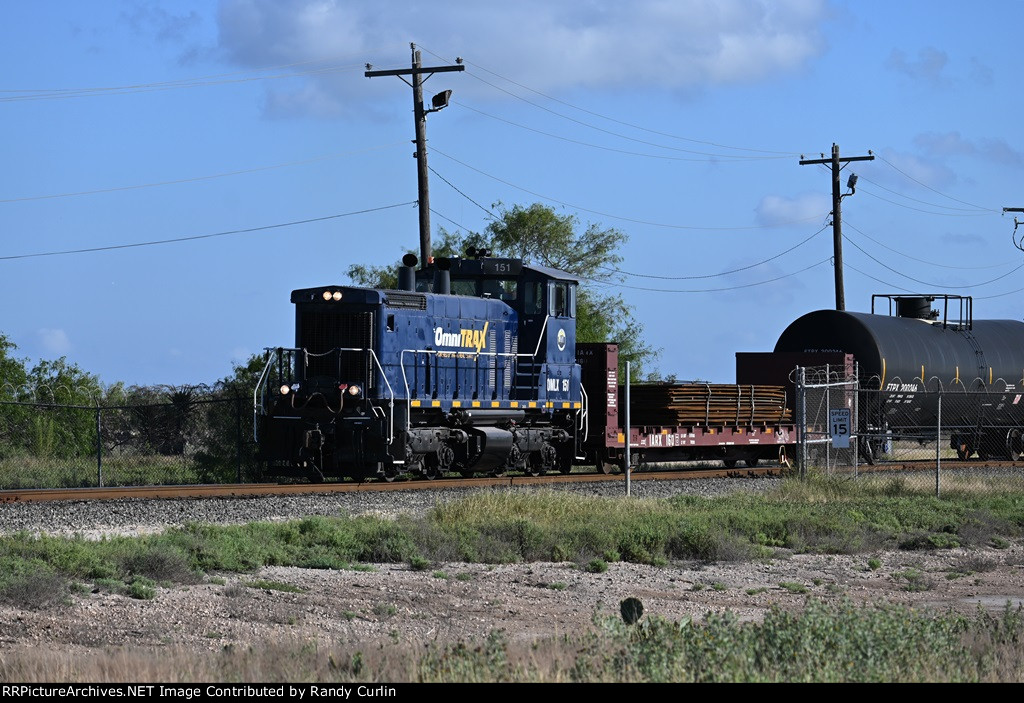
[
  {"x": 306, "y": 353},
  {"x": 256, "y": 405},
  {"x": 405, "y": 377},
  {"x": 585, "y": 414}
]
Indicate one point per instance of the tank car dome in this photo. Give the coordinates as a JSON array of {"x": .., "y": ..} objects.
[{"x": 904, "y": 349}]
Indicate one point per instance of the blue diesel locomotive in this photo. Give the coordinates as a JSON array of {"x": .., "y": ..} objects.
[{"x": 469, "y": 366}]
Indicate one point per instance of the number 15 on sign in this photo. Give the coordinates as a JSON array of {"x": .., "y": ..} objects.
[{"x": 839, "y": 421}]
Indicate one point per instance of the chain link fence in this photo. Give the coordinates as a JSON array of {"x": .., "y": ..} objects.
[
  {"x": 161, "y": 437},
  {"x": 937, "y": 439}
]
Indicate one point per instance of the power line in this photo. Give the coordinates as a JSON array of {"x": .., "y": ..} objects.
[
  {"x": 194, "y": 179},
  {"x": 617, "y": 217},
  {"x": 727, "y": 157},
  {"x": 957, "y": 267},
  {"x": 925, "y": 282},
  {"x": 716, "y": 275},
  {"x": 937, "y": 192},
  {"x": 718, "y": 158},
  {"x": 973, "y": 210},
  {"x": 28, "y": 94},
  {"x": 605, "y": 117},
  {"x": 879, "y": 280},
  {"x": 488, "y": 212},
  {"x": 206, "y": 236},
  {"x": 708, "y": 290}
]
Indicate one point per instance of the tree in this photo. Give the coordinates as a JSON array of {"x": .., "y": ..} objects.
[{"x": 539, "y": 235}]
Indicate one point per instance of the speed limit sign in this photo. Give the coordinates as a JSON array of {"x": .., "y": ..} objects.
[{"x": 839, "y": 422}]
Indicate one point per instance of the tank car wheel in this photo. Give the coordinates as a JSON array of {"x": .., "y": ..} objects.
[
  {"x": 867, "y": 452},
  {"x": 964, "y": 451},
  {"x": 1014, "y": 444}
]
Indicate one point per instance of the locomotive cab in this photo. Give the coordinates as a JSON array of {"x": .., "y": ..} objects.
[{"x": 544, "y": 300}]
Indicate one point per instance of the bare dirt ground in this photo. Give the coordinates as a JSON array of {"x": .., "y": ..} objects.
[{"x": 452, "y": 602}]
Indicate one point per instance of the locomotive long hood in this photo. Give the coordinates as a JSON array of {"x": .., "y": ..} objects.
[{"x": 905, "y": 350}]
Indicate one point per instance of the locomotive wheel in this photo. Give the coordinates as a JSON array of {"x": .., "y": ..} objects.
[{"x": 530, "y": 468}]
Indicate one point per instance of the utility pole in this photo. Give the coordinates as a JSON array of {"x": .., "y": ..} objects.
[
  {"x": 837, "y": 220},
  {"x": 438, "y": 102}
]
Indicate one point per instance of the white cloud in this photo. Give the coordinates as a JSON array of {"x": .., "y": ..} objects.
[
  {"x": 775, "y": 210},
  {"x": 546, "y": 44},
  {"x": 54, "y": 342}
]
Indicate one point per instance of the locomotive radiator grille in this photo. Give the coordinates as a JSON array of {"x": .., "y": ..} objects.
[{"x": 321, "y": 332}]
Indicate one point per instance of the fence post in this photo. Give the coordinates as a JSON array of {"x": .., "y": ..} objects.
[
  {"x": 99, "y": 449},
  {"x": 238, "y": 435},
  {"x": 801, "y": 424},
  {"x": 628, "y": 432},
  {"x": 938, "y": 446},
  {"x": 828, "y": 409},
  {"x": 855, "y": 424}
]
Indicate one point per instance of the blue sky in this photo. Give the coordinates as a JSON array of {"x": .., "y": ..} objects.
[{"x": 681, "y": 123}]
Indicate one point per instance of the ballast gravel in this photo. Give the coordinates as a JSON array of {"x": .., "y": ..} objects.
[{"x": 93, "y": 519}]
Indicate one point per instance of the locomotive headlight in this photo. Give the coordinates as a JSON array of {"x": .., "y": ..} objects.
[
  {"x": 354, "y": 390},
  {"x": 336, "y": 295},
  {"x": 286, "y": 389},
  {"x": 327, "y": 295}
]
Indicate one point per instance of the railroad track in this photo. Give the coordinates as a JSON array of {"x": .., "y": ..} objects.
[{"x": 244, "y": 490}]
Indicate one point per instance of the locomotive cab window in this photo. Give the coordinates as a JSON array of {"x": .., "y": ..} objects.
[
  {"x": 533, "y": 298},
  {"x": 561, "y": 301}
]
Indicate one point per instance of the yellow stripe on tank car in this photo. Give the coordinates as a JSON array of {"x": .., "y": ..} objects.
[
  {"x": 881, "y": 384},
  {"x": 990, "y": 375}
]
